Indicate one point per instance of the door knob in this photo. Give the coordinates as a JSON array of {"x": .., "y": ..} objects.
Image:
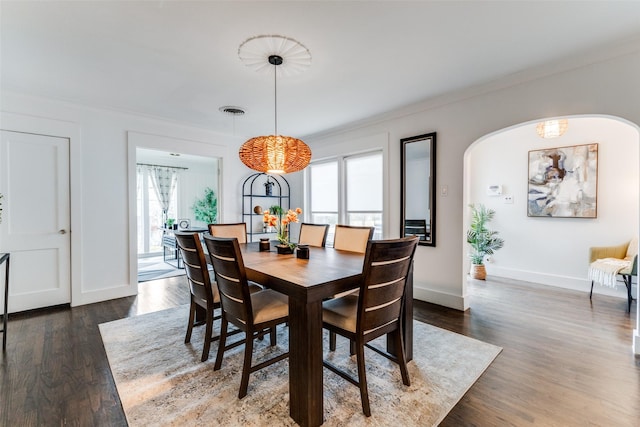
[{"x": 62, "y": 231}]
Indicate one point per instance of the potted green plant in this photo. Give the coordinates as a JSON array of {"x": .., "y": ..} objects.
[
  {"x": 482, "y": 240},
  {"x": 206, "y": 209},
  {"x": 276, "y": 210}
]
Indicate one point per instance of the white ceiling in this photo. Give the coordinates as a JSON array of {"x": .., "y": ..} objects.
[{"x": 178, "y": 60}]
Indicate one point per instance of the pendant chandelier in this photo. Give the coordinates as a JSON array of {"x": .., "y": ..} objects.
[
  {"x": 552, "y": 128},
  {"x": 275, "y": 153}
]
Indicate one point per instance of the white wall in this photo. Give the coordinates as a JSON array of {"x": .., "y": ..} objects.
[
  {"x": 555, "y": 251},
  {"x": 102, "y": 163},
  {"x": 604, "y": 86},
  {"x": 103, "y": 260}
]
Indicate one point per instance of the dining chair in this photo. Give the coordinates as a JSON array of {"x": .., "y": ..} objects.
[
  {"x": 352, "y": 238},
  {"x": 313, "y": 234},
  {"x": 376, "y": 310},
  {"x": 607, "y": 262},
  {"x": 203, "y": 291},
  {"x": 416, "y": 227},
  {"x": 254, "y": 313},
  {"x": 237, "y": 230}
]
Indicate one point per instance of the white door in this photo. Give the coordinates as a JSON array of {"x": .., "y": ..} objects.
[{"x": 34, "y": 178}]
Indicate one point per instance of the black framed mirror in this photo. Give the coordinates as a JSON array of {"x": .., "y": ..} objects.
[{"x": 418, "y": 188}]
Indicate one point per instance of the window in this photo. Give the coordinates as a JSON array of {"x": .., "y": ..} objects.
[
  {"x": 347, "y": 190},
  {"x": 324, "y": 193},
  {"x": 364, "y": 191}
]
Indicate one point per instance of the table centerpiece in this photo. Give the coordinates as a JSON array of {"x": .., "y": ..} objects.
[{"x": 281, "y": 225}]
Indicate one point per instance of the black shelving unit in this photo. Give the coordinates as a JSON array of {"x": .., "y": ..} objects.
[{"x": 254, "y": 193}]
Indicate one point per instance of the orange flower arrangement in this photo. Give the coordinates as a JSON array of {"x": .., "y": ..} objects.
[{"x": 282, "y": 224}]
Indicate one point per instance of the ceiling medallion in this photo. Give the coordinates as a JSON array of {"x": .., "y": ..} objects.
[{"x": 255, "y": 51}]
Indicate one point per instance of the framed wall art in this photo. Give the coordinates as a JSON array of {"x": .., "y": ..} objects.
[{"x": 563, "y": 182}]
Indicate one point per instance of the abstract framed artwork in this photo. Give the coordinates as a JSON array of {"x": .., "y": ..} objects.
[{"x": 563, "y": 182}]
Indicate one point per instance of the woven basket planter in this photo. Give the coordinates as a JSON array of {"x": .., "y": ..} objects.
[{"x": 478, "y": 272}]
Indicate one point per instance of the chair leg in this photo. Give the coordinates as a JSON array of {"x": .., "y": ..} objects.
[
  {"x": 362, "y": 379},
  {"x": 332, "y": 341},
  {"x": 627, "y": 282},
  {"x": 272, "y": 336},
  {"x": 222, "y": 343},
  {"x": 402, "y": 361},
  {"x": 192, "y": 318},
  {"x": 246, "y": 367},
  {"x": 352, "y": 347},
  {"x": 591, "y": 293},
  {"x": 207, "y": 337}
]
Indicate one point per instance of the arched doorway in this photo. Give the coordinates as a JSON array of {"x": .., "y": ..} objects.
[{"x": 554, "y": 251}]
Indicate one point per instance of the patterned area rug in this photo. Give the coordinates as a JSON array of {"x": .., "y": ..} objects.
[{"x": 161, "y": 380}]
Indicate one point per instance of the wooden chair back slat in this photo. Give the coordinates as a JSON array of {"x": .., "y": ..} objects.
[
  {"x": 231, "y": 278},
  {"x": 382, "y": 291},
  {"x": 386, "y": 267},
  {"x": 195, "y": 265}
]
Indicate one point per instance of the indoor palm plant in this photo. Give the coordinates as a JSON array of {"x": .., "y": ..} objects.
[{"x": 483, "y": 241}]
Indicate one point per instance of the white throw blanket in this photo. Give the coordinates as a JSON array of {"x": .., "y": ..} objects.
[{"x": 604, "y": 271}]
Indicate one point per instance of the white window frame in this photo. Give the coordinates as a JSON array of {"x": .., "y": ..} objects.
[{"x": 342, "y": 185}]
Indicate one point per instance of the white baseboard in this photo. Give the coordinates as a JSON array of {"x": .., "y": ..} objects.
[
  {"x": 636, "y": 342},
  {"x": 566, "y": 282},
  {"x": 440, "y": 298}
]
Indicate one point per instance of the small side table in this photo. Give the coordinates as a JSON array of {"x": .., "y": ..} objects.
[
  {"x": 5, "y": 258},
  {"x": 169, "y": 243}
]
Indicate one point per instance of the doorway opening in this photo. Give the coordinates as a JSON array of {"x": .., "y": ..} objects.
[
  {"x": 554, "y": 250},
  {"x": 168, "y": 184}
]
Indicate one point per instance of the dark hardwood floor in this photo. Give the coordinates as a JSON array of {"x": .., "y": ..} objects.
[{"x": 565, "y": 362}]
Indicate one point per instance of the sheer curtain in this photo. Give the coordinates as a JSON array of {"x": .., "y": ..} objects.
[{"x": 164, "y": 181}]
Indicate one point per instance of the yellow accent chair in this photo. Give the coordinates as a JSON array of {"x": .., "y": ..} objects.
[{"x": 607, "y": 262}]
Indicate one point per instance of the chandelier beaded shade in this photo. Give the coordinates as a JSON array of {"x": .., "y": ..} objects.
[
  {"x": 552, "y": 128},
  {"x": 275, "y": 153}
]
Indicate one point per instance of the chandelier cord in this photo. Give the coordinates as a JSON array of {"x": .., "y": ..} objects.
[
  {"x": 275, "y": 153},
  {"x": 275, "y": 96}
]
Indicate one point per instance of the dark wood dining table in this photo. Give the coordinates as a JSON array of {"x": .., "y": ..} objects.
[{"x": 308, "y": 282}]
